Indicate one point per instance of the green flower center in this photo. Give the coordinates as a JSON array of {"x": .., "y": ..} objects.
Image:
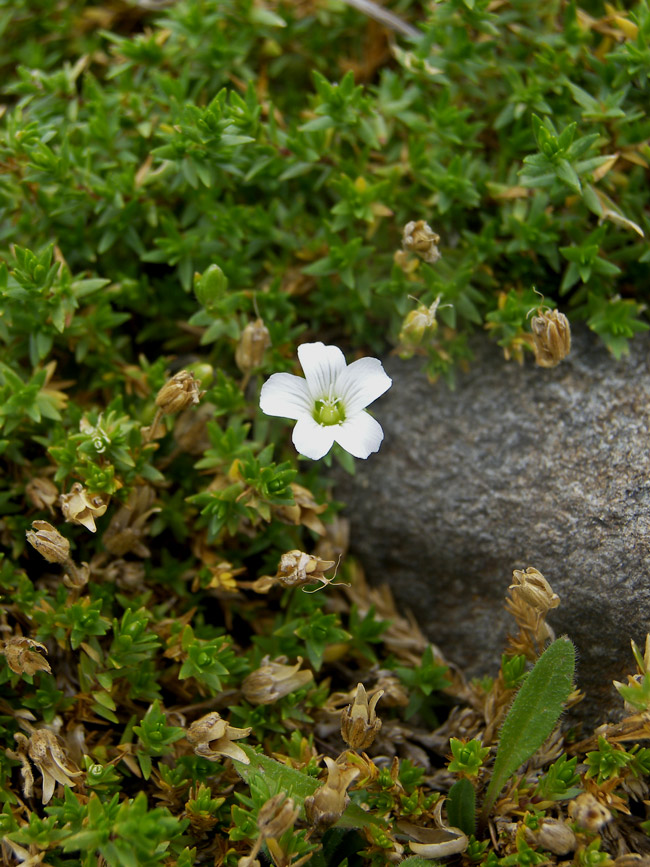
[{"x": 327, "y": 412}]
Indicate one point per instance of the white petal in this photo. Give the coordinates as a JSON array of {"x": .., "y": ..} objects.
[
  {"x": 313, "y": 440},
  {"x": 360, "y": 435},
  {"x": 360, "y": 383},
  {"x": 286, "y": 395},
  {"x": 321, "y": 365}
]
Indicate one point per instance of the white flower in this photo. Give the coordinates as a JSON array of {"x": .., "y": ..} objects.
[{"x": 329, "y": 403}]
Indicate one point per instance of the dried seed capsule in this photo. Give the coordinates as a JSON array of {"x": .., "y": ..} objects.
[
  {"x": 359, "y": 722},
  {"x": 179, "y": 392},
  {"x": 551, "y": 335},
  {"x": 420, "y": 238},
  {"x": 48, "y": 542},
  {"x": 534, "y": 589},
  {"x": 253, "y": 343}
]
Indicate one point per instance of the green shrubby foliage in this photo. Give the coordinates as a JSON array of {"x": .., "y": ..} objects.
[{"x": 200, "y": 189}]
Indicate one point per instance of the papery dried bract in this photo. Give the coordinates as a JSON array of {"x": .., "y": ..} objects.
[
  {"x": 273, "y": 680},
  {"x": 81, "y": 507},
  {"x": 22, "y": 656},
  {"x": 326, "y": 805},
  {"x": 211, "y": 736},
  {"x": 45, "y": 751}
]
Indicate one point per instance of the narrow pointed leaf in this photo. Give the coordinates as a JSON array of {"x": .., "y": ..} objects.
[{"x": 534, "y": 712}]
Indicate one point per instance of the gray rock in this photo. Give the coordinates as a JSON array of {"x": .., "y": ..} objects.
[{"x": 519, "y": 466}]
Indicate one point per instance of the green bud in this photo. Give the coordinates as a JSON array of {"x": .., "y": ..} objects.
[{"x": 210, "y": 286}]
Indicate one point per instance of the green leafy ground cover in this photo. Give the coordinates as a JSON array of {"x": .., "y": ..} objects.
[{"x": 203, "y": 188}]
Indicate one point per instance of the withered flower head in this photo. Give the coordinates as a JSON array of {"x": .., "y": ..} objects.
[
  {"x": 305, "y": 510},
  {"x": 297, "y": 568},
  {"x": 326, "y": 805},
  {"x": 82, "y": 507},
  {"x": 551, "y": 335},
  {"x": 21, "y": 656},
  {"x": 42, "y": 492},
  {"x": 179, "y": 392},
  {"x": 48, "y": 542},
  {"x": 420, "y": 238},
  {"x": 359, "y": 722},
  {"x": 531, "y": 587},
  {"x": 277, "y": 816},
  {"x": 274, "y": 680},
  {"x": 253, "y": 343},
  {"x": 45, "y": 751},
  {"x": 588, "y": 813},
  {"x": 212, "y": 737}
]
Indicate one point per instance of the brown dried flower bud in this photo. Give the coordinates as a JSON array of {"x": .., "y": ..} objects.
[
  {"x": 82, "y": 507},
  {"x": 326, "y": 805},
  {"x": 21, "y": 658},
  {"x": 588, "y": 813},
  {"x": 551, "y": 335},
  {"x": 212, "y": 737},
  {"x": 420, "y": 238},
  {"x": 48, "y": 542},
  {"x": 533, "y": 589},
  {"x": 45, "y": 751},
  {"x": 277, "y": 816},
  {"x": 297, "y": 568},
  {"x": 179, "y": 392},
  {"x": 42, "y": 492},
  {"x": 359, "y": 722},
  {"x": 253, "y": 343},
  {"x": 274, "y": 680}
]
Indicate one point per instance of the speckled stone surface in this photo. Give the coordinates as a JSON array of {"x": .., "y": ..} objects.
[{"x": 517, "y": 467}]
